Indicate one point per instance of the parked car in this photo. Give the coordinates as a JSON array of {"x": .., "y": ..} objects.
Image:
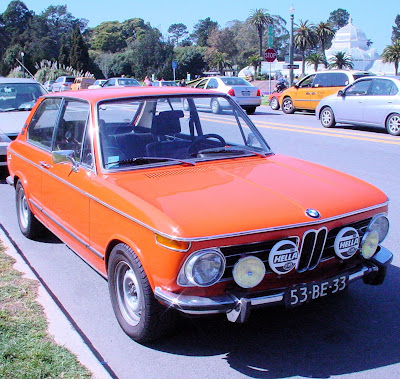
[
  {"x": 82, "y": 83},
  {"x": 183, "y": 212},
  {"x": 63, "y": 83},
  {"x": 48, "y": 85},
  {"x": 372, "y": 101},
  {"x": 17, "y": 97},
  {"x": 243, "y": 92},
  {"x": 308, "y": 92},
  {"x": 274, "y": 100},
  {"x": 121, "y": 82},
  {"x": 164, "y": 83},
  {"x": 97, "y": 84}
]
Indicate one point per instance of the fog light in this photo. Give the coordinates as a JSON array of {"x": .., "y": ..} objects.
[
  {"x": 369, "y": 244},
  {"x": 248, "y": 272}
]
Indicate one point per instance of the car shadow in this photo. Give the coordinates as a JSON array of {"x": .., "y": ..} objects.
[
  {"x": 372, "y": 129},
  {"x": 347, "y": 333}
]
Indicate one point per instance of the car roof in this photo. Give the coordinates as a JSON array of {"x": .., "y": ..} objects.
[
  {"x": 124, "y": 92},
  {"x": 17, "y": 80}
]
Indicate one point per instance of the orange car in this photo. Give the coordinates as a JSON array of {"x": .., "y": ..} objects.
[{"x": 184, "y": 210}]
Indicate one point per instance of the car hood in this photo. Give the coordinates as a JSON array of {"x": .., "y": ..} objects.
[
  {"x": 241, "y": 195},
  {"x": 12, "y": 122}
]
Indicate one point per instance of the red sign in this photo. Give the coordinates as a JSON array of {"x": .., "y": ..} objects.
[{"x": 270, "y": 55}]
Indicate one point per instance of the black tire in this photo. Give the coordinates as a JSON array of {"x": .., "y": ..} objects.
[
  {"x": 393, "y": 124},
  {"x": 274, "y": 103},
  {"x": 215, "y": 107},
  {"x": 287, "y": 105},
  {"x": 251, "y": 110},
  {"x": 30, "y": 227},
  {"x": 327, "y": 117},
  {"x": 139, "y": 314}
]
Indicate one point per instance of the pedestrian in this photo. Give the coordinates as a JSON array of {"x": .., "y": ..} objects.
[
  {"x": 182, "y": 83},
  {"x": 147, "y": 81}
]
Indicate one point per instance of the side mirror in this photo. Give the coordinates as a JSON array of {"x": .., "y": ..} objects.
[
  {"x": 62, "y": 156},
  {"x": 341, "y": 93}
]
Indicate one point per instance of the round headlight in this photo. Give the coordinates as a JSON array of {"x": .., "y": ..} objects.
[
  {"x": 204, "y": 268},
  {"x": 369, "y": 244},
  {"x": 248, "y": 272},
  {"x": 379, "y": 224}
]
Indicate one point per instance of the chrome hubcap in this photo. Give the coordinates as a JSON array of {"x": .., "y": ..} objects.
[
  {"x": 23, "y": 209},
  {"x": 274, "y": 103},
  {"x": 394, "y": 124},
  {"x": 287, "y": 105},
  {"x": 129, "y": 293},
  {"x": 326, "y": 117}
]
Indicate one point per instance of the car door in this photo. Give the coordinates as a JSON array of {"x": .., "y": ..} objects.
[
  {"x": 64, "y": 189},
  {"x": 302, "y": 96},
  {"x": 380, "y": 101},
  {"x": 203, "y": 84},
  {"x": 350, "y": 107}
]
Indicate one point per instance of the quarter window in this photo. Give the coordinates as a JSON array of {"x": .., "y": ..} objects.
[
  {"x": 383, "y": 87},
  {"x": 212, "y": 84}
]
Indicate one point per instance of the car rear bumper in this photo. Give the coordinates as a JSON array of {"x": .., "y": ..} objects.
[
  {"x": 248, "y": 101},
  {"x": 372, "y": 272},
  {"x": 3, "y": 153}
]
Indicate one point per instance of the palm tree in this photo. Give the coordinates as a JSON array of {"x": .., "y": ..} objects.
[
  {"x": 315, "y": 59},
  {"x": 259, "y": 19},
  {"x": 341, "y": 60},
  {"x": 254, "y": 60},
  {"x": 304, "y": 38},
  {"x": 324, "y": 31},
  {"x": 391, "y": 54}
]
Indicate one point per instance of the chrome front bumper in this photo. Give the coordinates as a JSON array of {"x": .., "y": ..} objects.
[{"x": 237, "y": 307}]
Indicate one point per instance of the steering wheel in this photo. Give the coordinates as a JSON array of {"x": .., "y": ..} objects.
[{"x": 195, "y": 146}]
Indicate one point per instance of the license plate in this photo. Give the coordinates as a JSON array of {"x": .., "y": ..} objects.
[
  {"x": 303, "y": 293},
  {"x": 246, "y": 93}
]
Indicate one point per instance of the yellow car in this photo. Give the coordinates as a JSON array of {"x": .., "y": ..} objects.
[
  {"x": 308, "y": 92},
  {"x": 82, "y": 83}
]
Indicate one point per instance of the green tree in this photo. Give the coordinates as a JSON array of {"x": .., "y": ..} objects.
[
  {"x": 315, "y": 59},
  {"x": 79, "y": 56},
  {"x": 16, "y": 18},
  {"x": 259, "y": 19},
  {"x": 217, "y": 60},
  {"x": 202, "y": 30},
  {"x": 304, "y": 39},
  {"x": 338, "y": 18},
  {"x": 396, "y": 29},
  {"x": 190, "y": 60},
  {"x": 223, "y": 40},
  {"x": 341, "y": 61},
  {"x": 254, "y": 61},
  {"x": 64, "y": 55},
  {"x": 391, "y": 54},
  {"x": 324, "y": 32},
  {"x": 177, "y": 31}
]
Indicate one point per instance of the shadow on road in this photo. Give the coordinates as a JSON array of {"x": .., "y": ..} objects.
[{"x": 348, "y": 333}]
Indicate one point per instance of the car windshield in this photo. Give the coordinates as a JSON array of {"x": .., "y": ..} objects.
[
  {"x": 174, "y": 130},
  {"x": 235, "y": 82},
  {"x": 128, "y": 82},
  {"x": 19, "y": 96}
]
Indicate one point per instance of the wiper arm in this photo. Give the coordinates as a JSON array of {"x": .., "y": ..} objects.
[
  {"x": 231, "y": 150},
  {"x": 144, "y": 160}
]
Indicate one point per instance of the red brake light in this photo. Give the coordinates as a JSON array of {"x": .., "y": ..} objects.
[
  {"x": 231, "y": 92},
  {"x": 258, "y": 92}
]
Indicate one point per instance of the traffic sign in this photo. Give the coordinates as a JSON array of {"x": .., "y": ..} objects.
[
  {"x": 174, "y": 64},
  {"x": 291, "y": 66},
  {"x": 270, "y": 55}
]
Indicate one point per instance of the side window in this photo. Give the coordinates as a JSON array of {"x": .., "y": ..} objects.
[
  {"x": 358, "y": 88},
  {"x": 43, "y": 123},
  {"x": 382, "y": 87},
  {"x": 71, "y": 127},
  {"x": 307, "y": 82},
  {"x": 321, "y": 80},
  {"x": 202, "y": 84},
  {"x": 338, "y": 79},
  {"x": 212, "y": 84}
]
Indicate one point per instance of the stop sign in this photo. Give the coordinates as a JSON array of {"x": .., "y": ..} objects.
[{"x": 270, "y": 55}]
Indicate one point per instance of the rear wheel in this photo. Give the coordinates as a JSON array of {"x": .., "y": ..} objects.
[
  {"x": 140, "y": 315},
  {"x": 251, "y": 110},
  {"x": 327, "y": 118},
  {"x": 393, "y": 124},
  {"x": 215, "y": 107},
  {"x": 287, "y": 105},
  {"x": 30, "y": 227},
  {"x": 274, "y": 104}
]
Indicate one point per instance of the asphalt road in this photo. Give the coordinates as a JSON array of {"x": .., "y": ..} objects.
[{"x": 355, "y": 334}]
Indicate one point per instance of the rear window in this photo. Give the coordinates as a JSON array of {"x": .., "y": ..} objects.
[
  {"x": 235, "y": 82},
  {"x": 69, "y": 80},
  {"x": 362, "y": 75}
]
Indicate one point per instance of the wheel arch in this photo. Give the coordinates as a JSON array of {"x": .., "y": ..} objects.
[{"x": 390, "y": 114}]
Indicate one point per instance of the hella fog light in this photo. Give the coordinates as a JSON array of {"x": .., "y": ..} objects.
[
  {"x": 203, "y": 268},
  {"x": 369, "y": 244},
  {"x": 248, "y": 272},
  {"x": 380, "y": 224}
]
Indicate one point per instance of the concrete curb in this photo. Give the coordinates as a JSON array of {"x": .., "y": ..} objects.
[{"x": 59, "y": 327}]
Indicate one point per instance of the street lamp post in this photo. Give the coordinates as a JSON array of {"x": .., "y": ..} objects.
[
  {"x": 291, "y": 10},
  {"x": 23, "y": 63}
]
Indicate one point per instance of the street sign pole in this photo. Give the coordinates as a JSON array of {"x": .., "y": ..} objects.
[
  {"x": 174, "y": 67},
  {"x": 270, "y": 56}
]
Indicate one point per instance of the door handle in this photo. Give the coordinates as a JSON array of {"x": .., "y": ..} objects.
[
  {"x": 313, "y": 93},
  {"x": 44, "y": 164},
  {"x": 307, "y": 93}
]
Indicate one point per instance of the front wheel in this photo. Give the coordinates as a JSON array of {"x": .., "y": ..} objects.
[
  {"x": 140, "y": 315},
  {"x": 215, "y": 107},
  {"x": 250, "y": 110},
  {"x": 287, "y": 105},
  {"x": 327, "y": 118},
  {"x": 30, "y": 227},
  {"x": 274, "y": 104},
  {"x": 393, "y": 124}
]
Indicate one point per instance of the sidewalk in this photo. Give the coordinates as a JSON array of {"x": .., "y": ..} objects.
[{"x": 59, "y": 327}]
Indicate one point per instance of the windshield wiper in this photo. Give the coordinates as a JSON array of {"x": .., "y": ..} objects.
[
  {"x": 145, "y": 160},
  {"x": 231, "y": 150}
]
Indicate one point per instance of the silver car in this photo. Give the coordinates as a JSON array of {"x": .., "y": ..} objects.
[
  {"x": 370, "y": 101},
  {"x": 17, "y": 98},
  {"x": 63, "y": 83},
  {"x": 121, "y": 82},
  {"x": 244, "y": 93}
]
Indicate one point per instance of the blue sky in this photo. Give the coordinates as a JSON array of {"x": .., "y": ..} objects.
[{"x": 374, "y": 17}]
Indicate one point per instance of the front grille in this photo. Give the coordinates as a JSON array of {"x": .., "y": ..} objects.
[{"x": 316, "y": 246}]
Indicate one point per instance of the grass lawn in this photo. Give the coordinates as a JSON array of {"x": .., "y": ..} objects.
[{"x": 26, "y": 350}]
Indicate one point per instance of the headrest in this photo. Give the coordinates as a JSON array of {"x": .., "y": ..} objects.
[{"x": 167, "y": 122}]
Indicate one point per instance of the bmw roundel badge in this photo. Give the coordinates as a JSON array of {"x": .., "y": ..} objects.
[{"x": 313, "y": 213}]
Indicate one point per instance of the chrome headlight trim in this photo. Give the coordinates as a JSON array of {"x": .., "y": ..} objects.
[
  {"x": 374, "y": 231},
  {"x": 377, "y": 219}
]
